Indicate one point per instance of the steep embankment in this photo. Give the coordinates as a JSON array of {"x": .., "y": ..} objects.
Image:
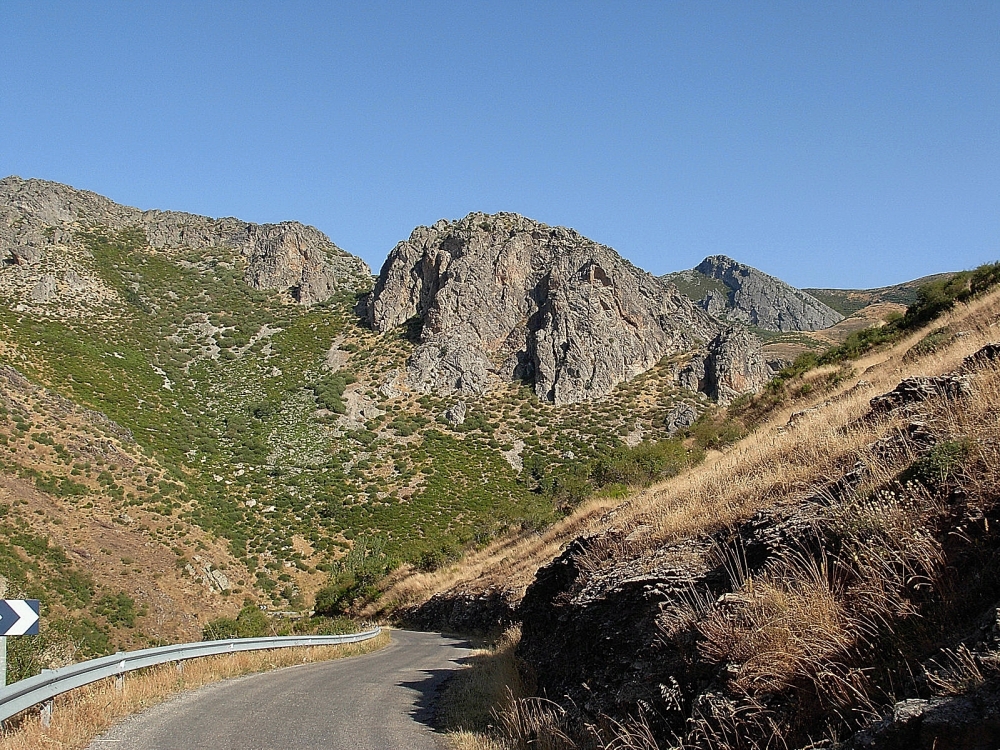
[{"x": 830, "y": 578}]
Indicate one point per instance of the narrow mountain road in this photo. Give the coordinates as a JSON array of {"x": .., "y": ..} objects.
[{"x": 378, "y": 701}]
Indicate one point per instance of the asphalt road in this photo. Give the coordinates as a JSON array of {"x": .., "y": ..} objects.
[{"x": 378, "y": 701}]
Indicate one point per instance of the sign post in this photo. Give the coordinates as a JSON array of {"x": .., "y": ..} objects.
[{"x": 17, "y": 617}]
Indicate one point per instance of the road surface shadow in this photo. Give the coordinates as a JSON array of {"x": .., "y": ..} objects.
[{"x": 424, "y": 709}]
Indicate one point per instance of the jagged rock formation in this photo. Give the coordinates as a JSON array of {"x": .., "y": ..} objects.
[
  {"x": 36, "y": 215},
  {"x": 737, "y": 292},
  {"x": 504, "y": 296},
  {"x": 732, "y": 365}
]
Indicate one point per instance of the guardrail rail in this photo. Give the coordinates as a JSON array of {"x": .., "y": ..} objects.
[{"x": 42, "y": 688}]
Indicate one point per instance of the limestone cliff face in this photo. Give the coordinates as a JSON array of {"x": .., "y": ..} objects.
[
  {"x": 739, "y": 293},
  {"x": 35, "y": 215},
  {"x": 502, "y": 296}
]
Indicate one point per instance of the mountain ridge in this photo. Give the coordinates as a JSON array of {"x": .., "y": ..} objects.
[
  {"x": 289, "y": 256},
  {"x": 734, "y": 291}
]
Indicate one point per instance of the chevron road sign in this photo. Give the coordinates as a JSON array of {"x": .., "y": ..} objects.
[{"x": 18, "y": 617}]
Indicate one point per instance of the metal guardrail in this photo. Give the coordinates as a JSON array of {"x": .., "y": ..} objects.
[{"x": 24, "y": 694}]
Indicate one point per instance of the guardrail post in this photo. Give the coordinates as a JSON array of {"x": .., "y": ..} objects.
[
  {"x": 180, "y": 666},
  {"x": 46, "y": 713}
]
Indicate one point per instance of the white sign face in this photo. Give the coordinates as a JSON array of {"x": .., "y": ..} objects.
[{"x": 19, "y": 617}]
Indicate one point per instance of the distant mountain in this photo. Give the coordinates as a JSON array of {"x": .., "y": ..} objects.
[
  {"x": 849, "y": 301},
  {"x": 740, "y": 293}
]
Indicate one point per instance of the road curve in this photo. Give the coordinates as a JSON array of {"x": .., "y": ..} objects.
[{"x": 377, "y": 701}]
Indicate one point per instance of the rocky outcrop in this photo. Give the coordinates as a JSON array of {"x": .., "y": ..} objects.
[
  {"x": 746, "y": 295},
  {"x": 487, "y": 612},
  {"x": 732, "y": 365},
  {"x": 502, "y": 296},
  {"x": 292, "y": 257},
  {"x": 680, "y": 417},
  {"x": 735, "y": 365},
  {"x": 25, "y": 255}
]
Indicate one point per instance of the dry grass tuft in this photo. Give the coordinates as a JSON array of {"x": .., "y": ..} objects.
[
  {"x": 955, "y": 672},
  {"x": 783, "y": 626},
  {"x": 489, "y": 685},
  {"x": 81, "y": 715}
]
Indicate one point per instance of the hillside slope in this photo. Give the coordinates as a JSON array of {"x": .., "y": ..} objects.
[
  {"x": 270, "y": 432},
  {"x": 831, "y": 578}
]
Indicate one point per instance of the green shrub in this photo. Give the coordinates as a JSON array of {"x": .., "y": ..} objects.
[
  {"x": 646, "y": 463},
  {"x": 118, "y": 609},
  {"x": 251, "y": 622},
  {"x": 942, "y": 462},
  {"x": 329, "y": 391}
]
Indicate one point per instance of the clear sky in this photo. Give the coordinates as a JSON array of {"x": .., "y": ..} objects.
[{"x": 848, "y": 144}]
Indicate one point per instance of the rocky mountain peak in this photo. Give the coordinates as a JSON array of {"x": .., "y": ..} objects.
[
  {"x": 737, "y": 292},
  {"x": 37, "y": 216},
  {"x": 502, "y": 296}
]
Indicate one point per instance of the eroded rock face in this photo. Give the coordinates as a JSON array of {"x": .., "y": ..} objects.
[
  {"x": 735, "y": 365},
  {"x": 502, "y": 296},
  {"x": 289, "y": 256},
  {"x": 749, "y": 296},
  {"x": 614, "y": 626},
  {"x": 731, "y": 365}
]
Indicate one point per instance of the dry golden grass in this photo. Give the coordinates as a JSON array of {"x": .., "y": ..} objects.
[
  {"x": 785, "y": 624},
  {"x": 781, "y": 462},
  {"x": 488, "y": 706},
  {"x": 486, "y": 688},
  {"x": 81, "y": 715},
  {"x": 508, "y": 563}
]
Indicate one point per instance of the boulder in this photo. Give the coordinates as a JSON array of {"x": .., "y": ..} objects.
[
  {"x": 681, "y": 416},
  {"x": 25, "y": 255},
  {"x": 45, "y": 290},
  {"x": 455, "y": 414}
]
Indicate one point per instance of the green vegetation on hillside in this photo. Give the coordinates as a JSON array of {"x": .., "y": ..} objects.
[{"x": 226, "y": 389}]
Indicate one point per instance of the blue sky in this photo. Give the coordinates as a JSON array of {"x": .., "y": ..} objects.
[{"x": 831, "y": 144}]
